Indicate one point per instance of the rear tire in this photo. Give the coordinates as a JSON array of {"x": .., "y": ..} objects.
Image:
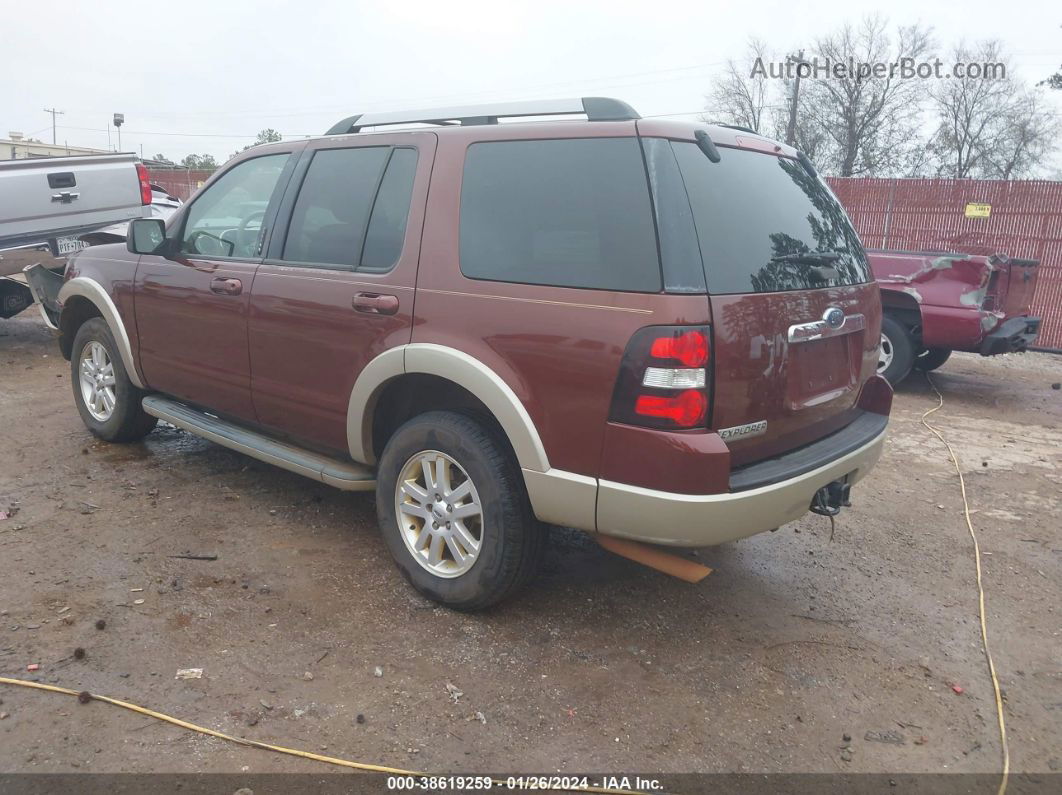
[
  {"x": 931, "y": 358},
  {"x": 108, "y": 402},
  {"x": 433, "y": 473},
  {"x": 896, "y": 355}
]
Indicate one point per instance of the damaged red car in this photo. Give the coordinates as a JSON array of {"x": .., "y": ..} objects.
[{"x": 938, "y": 302}]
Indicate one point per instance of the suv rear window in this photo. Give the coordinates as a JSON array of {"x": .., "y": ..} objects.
[
  {"x": 756, "y": 213},
  {"x": 567, "y": 213}
]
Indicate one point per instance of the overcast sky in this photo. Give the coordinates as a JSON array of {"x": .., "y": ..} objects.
[{"x": 195, "y": 76}]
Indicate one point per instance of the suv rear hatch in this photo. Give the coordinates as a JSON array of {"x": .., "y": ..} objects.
[{"x": 795, "y": 314}]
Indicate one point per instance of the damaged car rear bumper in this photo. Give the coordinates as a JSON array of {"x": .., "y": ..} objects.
[
  {"x": 1012, "y": 336},
  {"x": 45, "y": 285}
]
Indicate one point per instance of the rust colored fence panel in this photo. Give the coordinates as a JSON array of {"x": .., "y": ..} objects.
[
  {"x": 178, "y": 182},
  {"x": 1025, "y": 220}
]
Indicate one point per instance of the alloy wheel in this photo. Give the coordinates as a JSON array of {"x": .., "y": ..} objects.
[
  {"x": 97, "y": 381},
  {"x": 439, "y": 513},
  {"x": 885, "y": 354}
]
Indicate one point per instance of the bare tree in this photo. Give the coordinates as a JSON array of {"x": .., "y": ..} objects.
[
  {"x": 969, "y": 112},
  {"x": 868, "y": 117},
  {"x": 1026, "y": 141},
  {"x": 741, "y": 96},
  {"x": 988, "y": 126}
]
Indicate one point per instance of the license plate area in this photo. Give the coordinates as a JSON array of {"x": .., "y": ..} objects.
[
  {"x": 66, "y": 245},
  {"x": 821, "y": 371}
]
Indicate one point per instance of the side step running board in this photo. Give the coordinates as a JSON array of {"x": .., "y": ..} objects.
[{"x": 345, "y": 475}]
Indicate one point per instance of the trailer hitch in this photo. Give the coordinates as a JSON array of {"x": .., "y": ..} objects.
[{"x": 829, "y": 500}]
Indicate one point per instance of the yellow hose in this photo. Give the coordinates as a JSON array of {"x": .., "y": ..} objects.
[
  {"x": 255, "y": 743},
  {"x": 980, "y": 589}
]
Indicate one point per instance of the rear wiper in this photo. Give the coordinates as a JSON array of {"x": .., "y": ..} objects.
[{"x": 812, "y": 257}]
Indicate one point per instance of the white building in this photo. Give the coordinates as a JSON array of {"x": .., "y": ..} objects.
[{"x": 18, "y": 147}]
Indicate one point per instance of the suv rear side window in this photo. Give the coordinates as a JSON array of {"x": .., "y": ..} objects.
[
  {"x": 387, "y": 225},
  {"x": 567, "y": 213},
  {"x": 352, "y": 208},
  {"x": 756, "y": 216}
]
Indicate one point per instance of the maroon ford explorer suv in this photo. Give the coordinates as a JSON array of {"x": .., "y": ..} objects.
[{"x": 662, "y": 333}]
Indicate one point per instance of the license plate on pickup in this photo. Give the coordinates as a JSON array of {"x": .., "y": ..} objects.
[{"x": 67, "y": 245}]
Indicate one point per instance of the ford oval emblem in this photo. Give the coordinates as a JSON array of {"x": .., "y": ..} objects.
[{"x": 834, "y": 317}]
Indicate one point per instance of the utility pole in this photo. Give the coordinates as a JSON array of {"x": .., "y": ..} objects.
[
  {"x": 54, "y": 113},
  {"x": 790, "y": 130}
]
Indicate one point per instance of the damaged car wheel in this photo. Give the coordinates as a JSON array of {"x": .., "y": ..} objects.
[
  {"x": 896, "y": 354},
  {"x": 931, "y": 358}
]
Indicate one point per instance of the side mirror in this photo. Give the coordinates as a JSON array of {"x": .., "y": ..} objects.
[{"x": 145, "y": 235}]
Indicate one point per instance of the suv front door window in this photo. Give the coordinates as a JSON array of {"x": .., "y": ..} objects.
[{"x": 226, "y": 221}]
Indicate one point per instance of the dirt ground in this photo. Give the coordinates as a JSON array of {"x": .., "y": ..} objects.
[{"x": 308, "y": 637}]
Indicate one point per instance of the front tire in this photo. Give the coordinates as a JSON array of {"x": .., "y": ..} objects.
[
  {"x": 896, "y": 354},
  {"x": 108, "y": 402},
  {"x": 454, "y": 513}
]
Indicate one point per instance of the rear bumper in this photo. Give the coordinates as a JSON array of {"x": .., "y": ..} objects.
[
  {"x": 694, "y": 520},
  {"x": 45, "y": 285},
  {"x": 1013, "y": 335}
]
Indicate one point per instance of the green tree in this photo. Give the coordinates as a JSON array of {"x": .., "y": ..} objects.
[
  {"x": 266, "y": 136},
  {"x": 200, "y": 162}
]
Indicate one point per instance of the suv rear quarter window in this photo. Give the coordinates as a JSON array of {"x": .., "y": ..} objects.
[
  {"x": 562, "y": 212},
  {"x": 757, "y": 214}
]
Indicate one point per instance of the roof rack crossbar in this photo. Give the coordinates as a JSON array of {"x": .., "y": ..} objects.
[{"x": 594, "y": 108}]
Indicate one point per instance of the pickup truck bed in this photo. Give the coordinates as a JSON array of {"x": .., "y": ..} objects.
[
  {"x": 938, "y": 302},
  {"x": 48, "y": 198}
]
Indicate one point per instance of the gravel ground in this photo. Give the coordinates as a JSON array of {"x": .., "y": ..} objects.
[{"x": 308, "y": 637}]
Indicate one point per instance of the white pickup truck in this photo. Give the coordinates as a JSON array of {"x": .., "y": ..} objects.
[{"x": 54, "y": 200}]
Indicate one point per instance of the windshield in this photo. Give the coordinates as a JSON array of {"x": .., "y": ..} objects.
[{"x": 765, "y": 224}]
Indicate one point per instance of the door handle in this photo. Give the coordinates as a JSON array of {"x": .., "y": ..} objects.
[
  {"x": 375, "y": 304},
  {"x": 224, "y": 286}
]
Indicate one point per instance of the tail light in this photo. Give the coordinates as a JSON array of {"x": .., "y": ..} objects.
[
  {"x": 663, "y": 379},
  {"x": 145, "y": 185}
]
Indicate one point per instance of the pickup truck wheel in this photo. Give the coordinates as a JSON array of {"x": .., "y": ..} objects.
[
  {"x": 454, "y": 513},
  {"x": 931, "y": 358},
  {"x": 106, "y": 399},
  {"x": 896, "y": 355}
]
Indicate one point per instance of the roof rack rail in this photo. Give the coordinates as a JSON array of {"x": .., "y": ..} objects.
[
  {"x": 594, "y": 108},
  {"x": 740, "y": 127}
]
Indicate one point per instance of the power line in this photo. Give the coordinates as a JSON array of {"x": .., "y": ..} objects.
[
  {"x": 180, "y": 134},
  {"x": 316, "y": 134},
  {"x": 608, "y": 80}
]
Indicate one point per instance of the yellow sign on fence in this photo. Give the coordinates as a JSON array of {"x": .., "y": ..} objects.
[{"x": 978, "y": 210}]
